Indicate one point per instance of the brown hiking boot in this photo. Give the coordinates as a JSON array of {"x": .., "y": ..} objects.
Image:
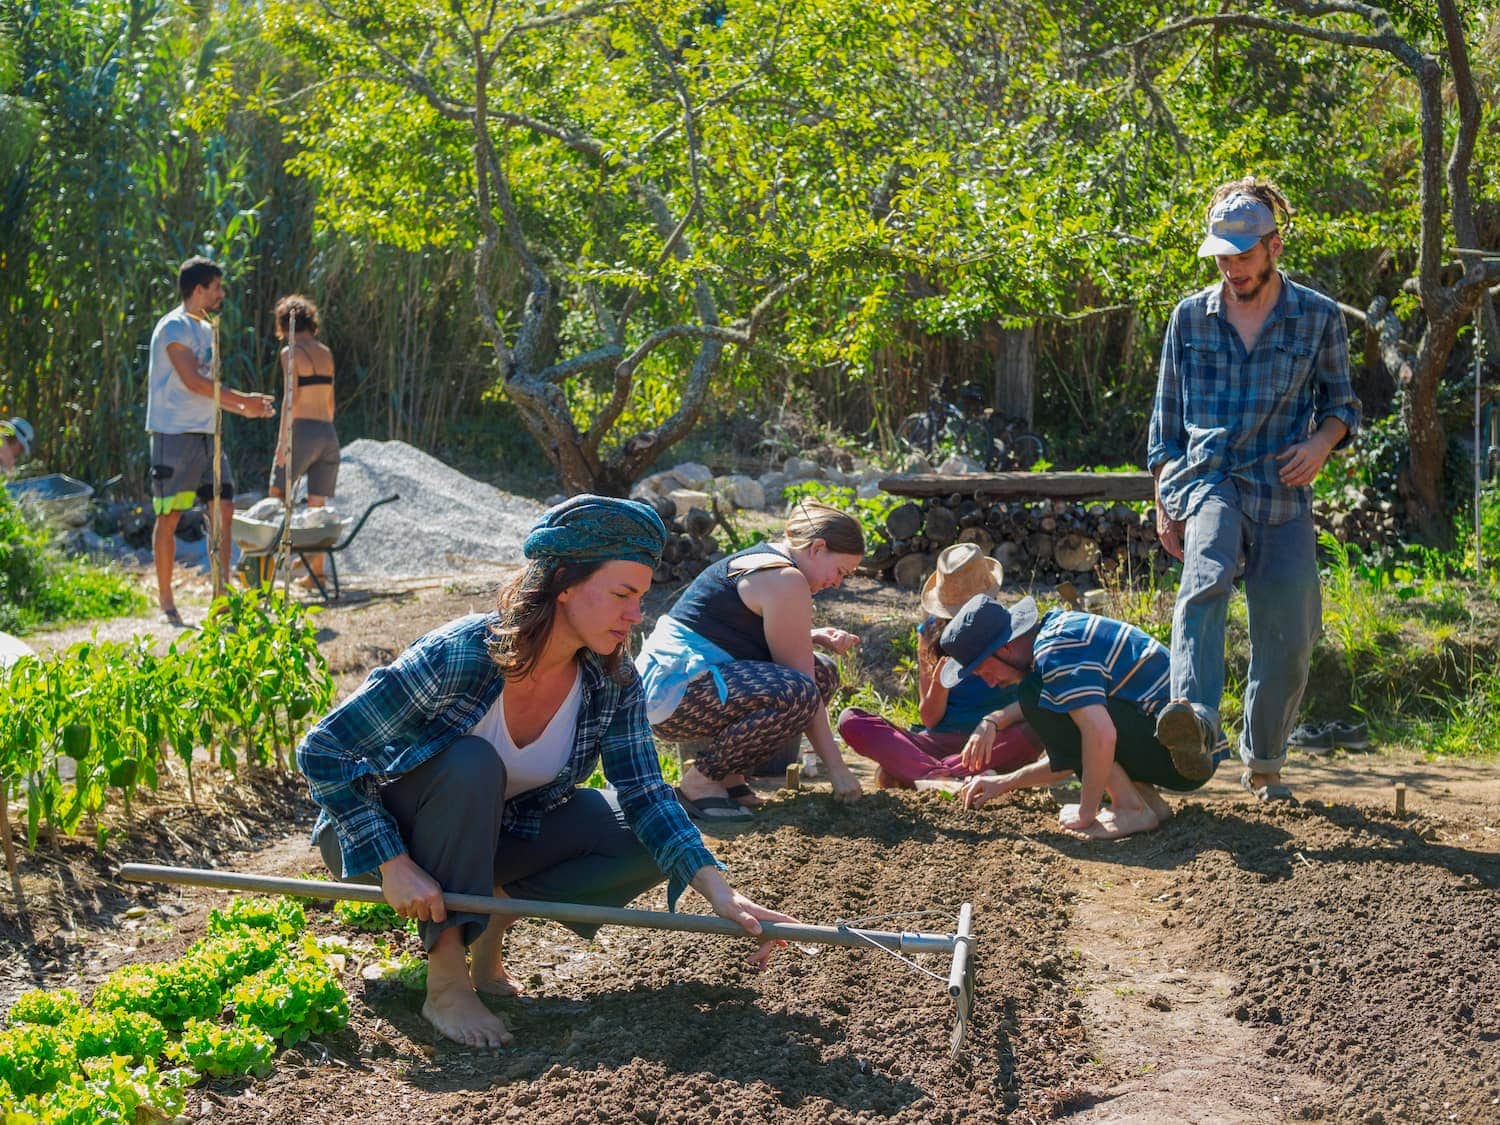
[{"x": 1188, "y": 740}]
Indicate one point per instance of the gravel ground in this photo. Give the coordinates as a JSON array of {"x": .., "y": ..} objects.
[{"x": 444, "y": 522}]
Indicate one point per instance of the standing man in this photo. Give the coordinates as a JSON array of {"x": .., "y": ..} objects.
[
  {"x": 1253, "y": 396},
  {"x": 180, "y": 419},
  {"x": 16, "y": 437}
]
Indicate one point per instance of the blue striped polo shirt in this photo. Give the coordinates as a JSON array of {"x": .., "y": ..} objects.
[{"x": 1084, "y": 659}]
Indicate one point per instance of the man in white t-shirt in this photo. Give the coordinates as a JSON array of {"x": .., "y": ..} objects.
[{"x": 180, "y": 419}]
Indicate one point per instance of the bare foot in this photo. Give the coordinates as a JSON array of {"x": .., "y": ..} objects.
[
  {"x": 696, "y": 785},
  {"x": 459, "y": 1014},
  {"x": 1154, "y": 801},
  {"x": 487, "y": 971},
  {"x": 1116, "y": 823},
  {"x": 746, "y": 800}
]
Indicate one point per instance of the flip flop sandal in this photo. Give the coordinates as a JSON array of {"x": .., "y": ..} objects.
[
  {"x": 745, "y": 797},
  {"x": 1267, "y": 794},
  {"x": 712, "y": 808}
]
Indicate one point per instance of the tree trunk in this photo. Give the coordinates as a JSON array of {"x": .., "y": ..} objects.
[
  {"x": 1421, "y": 481},
  {"x": 1013, "y": 355}
]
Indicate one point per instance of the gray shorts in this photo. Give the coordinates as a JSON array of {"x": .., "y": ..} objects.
[
  {"x": 315, "y": 455},
  {"x": 182, "y": 472}
]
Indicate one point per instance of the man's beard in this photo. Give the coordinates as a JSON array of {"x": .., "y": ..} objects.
[{"x": 1261, "y": 280}]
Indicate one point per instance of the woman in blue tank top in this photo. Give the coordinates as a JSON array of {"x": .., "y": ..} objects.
[{"x": 733, "y": 662}]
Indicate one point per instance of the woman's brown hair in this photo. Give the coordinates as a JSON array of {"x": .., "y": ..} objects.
[
  {"x": 811, "y": 519},
  {"x": 527, "y": 606},
  {"x": 305, "y": 311}
]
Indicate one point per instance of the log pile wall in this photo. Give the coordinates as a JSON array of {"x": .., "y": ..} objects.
[{"x": 1036, "y": 540}]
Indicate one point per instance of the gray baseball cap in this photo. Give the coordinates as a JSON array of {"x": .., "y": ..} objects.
[{"x": 1236, "y": 224}]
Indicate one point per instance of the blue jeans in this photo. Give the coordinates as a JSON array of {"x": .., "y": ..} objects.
[{"x": 1279, "y": 565}]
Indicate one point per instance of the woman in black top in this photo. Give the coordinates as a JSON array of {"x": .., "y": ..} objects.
[
  {"x": 733, "y": 661},
  {"x": 309, "y": 421}
]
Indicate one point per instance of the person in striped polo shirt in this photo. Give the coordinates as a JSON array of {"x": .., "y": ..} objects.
[{"x": 1091, "y": 687}]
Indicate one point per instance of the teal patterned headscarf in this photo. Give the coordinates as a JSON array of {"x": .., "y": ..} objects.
[{"x": 589, "y": 529}]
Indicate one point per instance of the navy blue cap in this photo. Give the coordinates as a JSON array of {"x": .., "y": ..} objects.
[{"x": 979, "y": 630}]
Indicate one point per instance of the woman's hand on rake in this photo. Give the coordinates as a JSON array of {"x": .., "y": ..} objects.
[{"x": 749, "y": 915}]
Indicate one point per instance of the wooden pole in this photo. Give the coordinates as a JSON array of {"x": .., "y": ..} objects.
[
  {"x": 284, "y": 548},
  {"x": 1025, "y": 486},
  {"x": 215, "y": 519}
]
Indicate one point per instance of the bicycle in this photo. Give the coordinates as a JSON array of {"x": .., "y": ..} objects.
[
  {"x": 943, "y": 426},
  {"x": 977, "y": 432},
  {"x": 1015, "y": 448}
]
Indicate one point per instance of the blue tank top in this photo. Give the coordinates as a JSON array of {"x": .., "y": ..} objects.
[
  {"x": 972, "y": 699},
  {"x": 711, "y": 606}
]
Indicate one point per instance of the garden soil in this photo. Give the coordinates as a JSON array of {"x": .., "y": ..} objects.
[{"x": 1324, "y": 962}]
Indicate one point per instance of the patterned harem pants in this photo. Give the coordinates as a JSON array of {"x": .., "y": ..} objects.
[{"x": 767, "y": 704}]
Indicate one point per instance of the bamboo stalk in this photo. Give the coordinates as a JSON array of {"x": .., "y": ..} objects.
[{"x": 903, "y": 941}]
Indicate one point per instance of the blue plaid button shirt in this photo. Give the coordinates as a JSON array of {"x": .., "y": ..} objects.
[
  {"x": 1222, "y": 413},
  {"x": 433, "y": 694}
]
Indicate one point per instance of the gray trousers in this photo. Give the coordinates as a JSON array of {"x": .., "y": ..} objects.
[
  {"x": 450, "y": 810},
  {"x": 1279, "y": 564}
]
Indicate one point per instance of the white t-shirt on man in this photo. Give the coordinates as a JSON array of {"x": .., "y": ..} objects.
[
  {"x": 170, "y": 407},
  {"x": 538, "y": 762}
]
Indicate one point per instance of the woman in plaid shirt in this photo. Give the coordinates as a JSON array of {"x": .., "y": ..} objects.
[{"x": 457, "y": 768}]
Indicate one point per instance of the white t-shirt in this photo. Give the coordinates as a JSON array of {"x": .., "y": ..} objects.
[
  {"x": 535, "y": 764},
  {"x": 170, "y": 407}
]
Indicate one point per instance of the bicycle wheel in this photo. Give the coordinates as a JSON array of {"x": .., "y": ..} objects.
[
  {"x": 916, "y": 433},
  {"x": 973, "y": 440},
  {"x": 1026, "y": 450}
]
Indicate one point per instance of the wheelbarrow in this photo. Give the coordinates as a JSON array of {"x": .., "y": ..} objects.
[
  {"x": 258, "y": 545},
  {"x": 959, "y": 945}
]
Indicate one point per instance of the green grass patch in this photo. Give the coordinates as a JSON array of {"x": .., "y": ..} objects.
[{"x": 40, "y": 586}]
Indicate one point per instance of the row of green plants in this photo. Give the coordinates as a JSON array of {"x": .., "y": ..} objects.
[
  {"x": 255, "y": 983},
  {"x": 243, "y": 687},
  {"x": 39, "y": 585}
]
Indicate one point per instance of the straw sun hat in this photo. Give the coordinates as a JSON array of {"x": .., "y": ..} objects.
[{"x": 963, "y": 570}]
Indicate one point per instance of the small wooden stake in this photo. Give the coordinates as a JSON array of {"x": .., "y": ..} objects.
[
  {"x": 1400, "y": 798},
  {"x": 10, "y": 850},
  {"x": 794, "y": 776}
]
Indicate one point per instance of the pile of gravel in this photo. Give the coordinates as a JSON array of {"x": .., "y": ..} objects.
[{"x": 443, "y": 523}]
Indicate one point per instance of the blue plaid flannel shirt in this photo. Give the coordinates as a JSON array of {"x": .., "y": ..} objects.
[
  {"x": 433, "y": 694},
  {"x": 1222, "y": 414}
]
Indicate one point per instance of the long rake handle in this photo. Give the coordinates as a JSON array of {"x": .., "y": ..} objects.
[{"x": 907, "y": 941}]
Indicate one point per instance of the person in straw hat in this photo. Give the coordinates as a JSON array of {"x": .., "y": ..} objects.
[{"x": 965, "y": 729}]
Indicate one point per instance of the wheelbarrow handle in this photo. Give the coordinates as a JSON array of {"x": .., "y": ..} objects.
[
  {"x": 392, "y": 498},
  {"x": 557, "y": 911}
]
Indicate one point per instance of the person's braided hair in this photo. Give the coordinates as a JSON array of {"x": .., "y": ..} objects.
[{"x": 1263, "y": 190}]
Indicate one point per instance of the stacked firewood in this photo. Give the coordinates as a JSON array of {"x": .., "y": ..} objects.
[
  {"x": 1360, "y": 516},
  {"x": 690, "y": 545},
  {"x": 1036, "y": 541}
]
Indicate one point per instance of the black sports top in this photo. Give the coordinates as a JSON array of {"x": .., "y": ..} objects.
[{"x": 711, "y": 606}]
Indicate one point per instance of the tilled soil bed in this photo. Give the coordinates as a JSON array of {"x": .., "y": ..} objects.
[{"x": 1243, "y": 963}]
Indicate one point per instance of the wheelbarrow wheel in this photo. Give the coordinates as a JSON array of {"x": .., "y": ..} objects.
[{"x": 257, "y": 571}]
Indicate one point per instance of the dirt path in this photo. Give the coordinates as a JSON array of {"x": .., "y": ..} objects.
[{"x": 1328, "y": 962}]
